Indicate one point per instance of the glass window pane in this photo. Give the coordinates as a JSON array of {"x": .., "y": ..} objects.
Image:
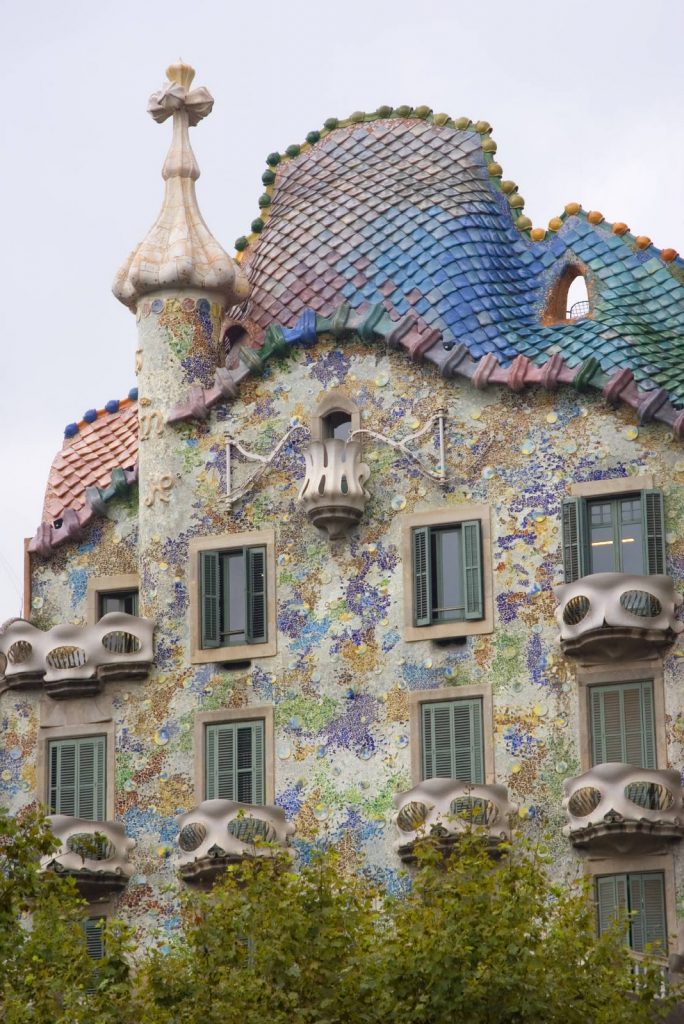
[
  {"x": 602, "y": 549},
  {"x": 234, "y": 627},
  {"x": 119, "y": 601},
  {"x": 448, "y": 600},
  {"x": 631, "y": 536}
]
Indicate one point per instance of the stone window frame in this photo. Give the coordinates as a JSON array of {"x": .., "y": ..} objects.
[
  {"x": 596, "y": 867},
  {"x": 333, "y": 401},
  {"x": 237, "y": 652},
  {"x": 70, "y": 720},
  {"x": 614, "y": 486},
  {"x": 252, "y": 713},
  {"x": 105, "y": 585},
  {"x": 448, "y": 693},
  {"x": 442, "y": 517},
  {"x": 628, "y": 672}
]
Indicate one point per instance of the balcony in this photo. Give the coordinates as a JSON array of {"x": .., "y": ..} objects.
[
  {"x": 443, "y": 809},
  {"x": 612, "y": 615},
  {"x": 617, "y": 808},
  {"x": 333, "y": 494},
  {"x": 76, "y": 661},
  {"x": 94, "y": 852},
  {"x": 217, "y": 833}
]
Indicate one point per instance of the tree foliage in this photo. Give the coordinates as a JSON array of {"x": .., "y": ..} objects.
[{"x": 472, "y": 939}]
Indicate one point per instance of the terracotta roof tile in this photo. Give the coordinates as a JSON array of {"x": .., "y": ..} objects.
[{"x": 88, "y": 458}]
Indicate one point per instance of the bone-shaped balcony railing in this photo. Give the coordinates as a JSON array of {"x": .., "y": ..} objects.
[
  {"x": 613, "y": 614},
  {"x": 221, "y": 832},
  {"x": 445, "y": 808},
  {"x": 333, "y": 493},
  {"x": 95, "y": 852},
  {"x": 620, "y": 807},
  {"x": 75, "y": 660}
]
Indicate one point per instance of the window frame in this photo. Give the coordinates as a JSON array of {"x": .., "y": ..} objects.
[
  {"x": 234, "y": 652},
  {"x": 441, "y": 517},
  {"x": 76, "y": 719},
  {"x": 99, "y": 585},
  {"x": 648, "y": 670},
  {"x": 254, "y": 713},
  {"x": 582, "y": 495},
  {"x": 331, "y": 402},
  {"x": 662, "y": 863},
  {"x": 418, "y": 698}
]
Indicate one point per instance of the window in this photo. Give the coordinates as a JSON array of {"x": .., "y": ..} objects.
[
  {"x": 77, "y": 777},
  {"x": 112, "y": 594},
  {"x": 641, "y": 894},
  {"x": 623, "y": 724},
  {"x": 447, "y": 573},
  {"x": 619, "y": 533},
  {"x": 452, "y": 740},
  {"x": 233, "y": 588},
  {"x": 118, "y": 601},
  {"x": 337, "y": 425},
  {"x": 233, "y": 597},
  {"x": 235, "y": 762},
  {"x": 568, "y": 298},
  {"x": 95, "y": 937},
  {"x": 334, "y": 418}
]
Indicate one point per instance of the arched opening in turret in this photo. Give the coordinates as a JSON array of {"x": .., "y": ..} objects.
[
  {"x": 568, "y": 299},
  {"x": 232, "y": 337}
]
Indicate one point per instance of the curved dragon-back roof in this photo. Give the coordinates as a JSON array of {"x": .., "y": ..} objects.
[
  {"x": 399, "y": 226},
  {"x": 409, "y": 209}
]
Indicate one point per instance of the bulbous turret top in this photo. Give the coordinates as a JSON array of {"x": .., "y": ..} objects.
[{"x": 179, "y": 252}]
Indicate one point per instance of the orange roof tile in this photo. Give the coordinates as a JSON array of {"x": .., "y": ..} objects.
[{"x": 88, "y": 458}]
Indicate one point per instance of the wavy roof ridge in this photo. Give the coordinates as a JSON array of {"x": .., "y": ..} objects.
[{"x": 489, "y": 147}]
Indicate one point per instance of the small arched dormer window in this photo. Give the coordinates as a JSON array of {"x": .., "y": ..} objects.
[
  {"x": 568, "y": 298},
  {"x": 336, "y": 418}
]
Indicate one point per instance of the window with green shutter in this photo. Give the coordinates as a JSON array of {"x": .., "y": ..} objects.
[
  {"x": 95, "y": 937},
  {"x": 447, "y": 573},
  {"x": 622, "y": 724},
  {"x": 235, "y": 764},
  {"x": 77, "y": 777},
  {"x": 639, "y": 900},
  {"x": 233, "y": 607},
  {"x": 624, "y": 533},
  {"x": 452, "y": 740}
]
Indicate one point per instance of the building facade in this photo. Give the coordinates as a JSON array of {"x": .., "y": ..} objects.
[{"x": 385, "y": 540}]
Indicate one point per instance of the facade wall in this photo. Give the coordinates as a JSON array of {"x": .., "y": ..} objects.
[{"x": 341, "y": 679}]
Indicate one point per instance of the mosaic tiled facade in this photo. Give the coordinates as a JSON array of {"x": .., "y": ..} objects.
[{"x": 396, "y": 216}]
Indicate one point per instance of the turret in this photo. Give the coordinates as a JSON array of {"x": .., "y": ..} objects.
[{"x": 179, "y": 283}]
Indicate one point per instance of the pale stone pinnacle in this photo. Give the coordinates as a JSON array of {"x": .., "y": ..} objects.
[{"x": 179, "y": 253}]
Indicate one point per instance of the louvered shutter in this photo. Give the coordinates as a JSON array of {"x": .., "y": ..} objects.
[
  {"x": 648, "y": 726},
  {"x": 654, "y": 531},
  {"x": 611, "y": 893},
  {"x": 258, "y": 764},
  {"x": 422, "y": 585},
  {"x": 95, "y": 937},
  {"x": 63, "y": 777},
  {"x": 210, "y": 591},
  {"x": 622, "y": 724},
  {"x": 91, "y": 778},
  {"x": 452, "y": 737},
  {"x": 77, "y": 778},
  {"x": 647, "y": 896},
  {"x": 471, "y": 541},
  {"x": 235, "y": 763},
  {"x": 575, "y": 557},
  {"x": 220, "y": 762},
  {"x": 256, "y": 632}
]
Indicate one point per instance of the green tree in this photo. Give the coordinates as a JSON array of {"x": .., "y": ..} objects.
[
  {"x": 46, "y": 974},
  {"x": 476, "y": 939}
]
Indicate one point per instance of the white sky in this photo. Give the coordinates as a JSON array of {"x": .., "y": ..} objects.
[{"x": 585, "y": 99}]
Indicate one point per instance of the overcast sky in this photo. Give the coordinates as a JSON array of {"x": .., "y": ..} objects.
[{"x": 585, "y": 99}]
